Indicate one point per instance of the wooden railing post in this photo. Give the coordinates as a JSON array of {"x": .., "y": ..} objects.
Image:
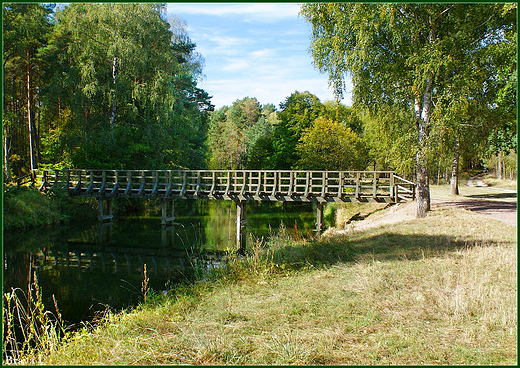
[
  {"x": 391, "y": 189},
  {"x": 67, "y": 184},
  {"x": 358, "y": 183},
  {"x": 103, "y": 183},
  {"x": 340, "y": 185},
  {"x": 374, "y": 185},
  {"x": 128, "y": 189},
  {"x": 77, "y": 189},
  {"x": 44, "y": 181},
  {"x": 259, "y": 184},
  {"x": 324, "y": 184},
  {"x": 115, "y": 189},
  {"x": 291, "y": 182}
]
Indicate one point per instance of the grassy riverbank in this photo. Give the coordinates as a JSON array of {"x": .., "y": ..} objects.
[
  {"x": 25, "y": 207},
  {"x": 439, "y": 290}
]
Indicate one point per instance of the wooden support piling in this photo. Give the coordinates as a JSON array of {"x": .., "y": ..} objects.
[
  {"x": 319, "y": 216},
  {"x": 241, "y": 223},
  {"x": 168, "y": 216},
  {"x": 102, "y": 216}
]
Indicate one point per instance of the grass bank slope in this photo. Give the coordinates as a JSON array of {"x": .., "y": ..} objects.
[
  {"x": 27, "y": 207},
  {"x": 437, "y": 290}
]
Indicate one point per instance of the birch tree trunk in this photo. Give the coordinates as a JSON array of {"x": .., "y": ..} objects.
[
  {"x": 422, "y": 114},
  {"x": 454, "y": 180},
  {"x": 423, "y": 188},
  {"x": 499, "y": 165},
  {"x": 114, "y": 100}
]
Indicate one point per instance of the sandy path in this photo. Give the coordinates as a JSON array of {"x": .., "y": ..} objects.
[{"x": 504, "y": 211}]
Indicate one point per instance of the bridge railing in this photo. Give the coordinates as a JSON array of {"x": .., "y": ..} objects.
[{"x": 297, "y": 185}]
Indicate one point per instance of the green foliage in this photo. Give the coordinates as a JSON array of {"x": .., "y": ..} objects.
[
  {"x": 349, "y": 117},
  {"x": 240, "y": 136},
  {"x": 298, "y": 112},
  {"x": 390, "y": 136},
  {"x": 113, "y": 86},
  {"x": 444, "y": 63},
  {"x": 327, "y": 145},
  {"x": 26, "y": 207},
  {"x": 329, "y": 213}
]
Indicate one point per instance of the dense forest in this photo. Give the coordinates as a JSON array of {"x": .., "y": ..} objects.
[
  {"x": 100, "y": 86},
  {"x": 115, "y": 86}
]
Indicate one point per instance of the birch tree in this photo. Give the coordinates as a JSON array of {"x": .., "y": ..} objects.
[
  {"x": 130, "y": 87},
  {"x": 399, "y": 54}
]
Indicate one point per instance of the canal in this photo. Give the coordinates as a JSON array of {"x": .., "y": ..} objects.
[{"x": 91, "y": 267}]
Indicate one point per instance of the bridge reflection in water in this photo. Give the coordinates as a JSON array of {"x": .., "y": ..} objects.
[
  {"x": 94, "y": 266},
  {"x": 240, "y": 186}
]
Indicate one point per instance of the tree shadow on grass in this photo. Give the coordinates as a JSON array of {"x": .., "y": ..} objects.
[
  {"x": 493, "y": 196},
  {"x": 378, "y": 247},
  {"x": 391, "y": 246}
]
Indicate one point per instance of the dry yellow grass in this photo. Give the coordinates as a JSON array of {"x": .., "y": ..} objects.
[{"x": 439, "y": 290}]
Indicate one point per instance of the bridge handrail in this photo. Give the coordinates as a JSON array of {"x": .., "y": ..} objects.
[
  {"x": 338, "y": 185},
  {"x": 23, "y": 179},
  {"x": 404, "y": 181},
  {"x": 405, "y": 186}
]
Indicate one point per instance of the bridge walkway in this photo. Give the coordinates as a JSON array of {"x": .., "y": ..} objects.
[{"x": 240, "y": 186}]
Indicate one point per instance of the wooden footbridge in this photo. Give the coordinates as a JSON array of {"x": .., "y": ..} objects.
[{"x": 239, "y": 186}]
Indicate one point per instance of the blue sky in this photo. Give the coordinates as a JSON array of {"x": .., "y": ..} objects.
[{"x": 253, "y": 50}]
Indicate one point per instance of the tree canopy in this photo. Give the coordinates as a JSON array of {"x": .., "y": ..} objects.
[
  {"x": 413, "y": 56},
  {"x": 328, "y": 145},
  {"x": 115, "y": 86},
  {"x": 104, "y": 86}
]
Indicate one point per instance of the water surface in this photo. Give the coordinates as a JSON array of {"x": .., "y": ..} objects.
[{"x": 90, "y": 266}]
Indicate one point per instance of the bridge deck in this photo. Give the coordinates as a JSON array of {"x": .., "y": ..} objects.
[{"x": 238, "y": 185}]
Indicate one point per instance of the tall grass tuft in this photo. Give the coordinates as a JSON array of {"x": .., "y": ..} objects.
[
  {"x": 29, "y": 329},
  {"x": 144, "y": 284},
  {"x": 282, "y": 253}
]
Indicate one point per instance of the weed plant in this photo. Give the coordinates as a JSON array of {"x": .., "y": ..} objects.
[{"x": 29, "y": 329}]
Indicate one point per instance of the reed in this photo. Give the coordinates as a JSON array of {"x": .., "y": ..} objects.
[{"x": 30, "y": 329}]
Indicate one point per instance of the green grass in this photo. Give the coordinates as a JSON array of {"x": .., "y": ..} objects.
[
  {"x": 27, "y": 207},
  {"x": 499, "y": 183},
  {"x": 437, "y": 290}
]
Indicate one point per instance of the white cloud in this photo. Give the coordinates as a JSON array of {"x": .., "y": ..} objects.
[
  {"x": 265, "y": 12},
  {"x": 264, "y": 53},
  {"x": 266, "y": 89},
  {"x": 237, "y": 65}
]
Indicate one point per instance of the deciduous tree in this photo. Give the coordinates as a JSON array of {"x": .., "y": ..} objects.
[
  {"x": 403, "y": 55},
  {"x": 328, "y": 145},
  {"x": 298, "y": 112}
]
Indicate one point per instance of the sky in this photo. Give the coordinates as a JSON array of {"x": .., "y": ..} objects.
[{"x": 253, "y": 50}]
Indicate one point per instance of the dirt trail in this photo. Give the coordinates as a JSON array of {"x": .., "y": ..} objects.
[
  {"x": 502, "y": 211},
  {"x": 501, "y": 205}
]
